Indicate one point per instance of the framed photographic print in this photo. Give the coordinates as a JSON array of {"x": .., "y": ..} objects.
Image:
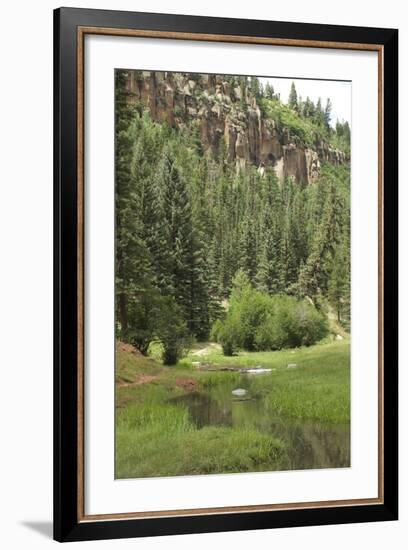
[{"x": 225, "y": 274}]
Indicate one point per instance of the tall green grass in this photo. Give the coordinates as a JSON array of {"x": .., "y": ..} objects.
[
  {"x": 317, "y": 389},
  {"x": 162, "y": 441},
  {"x": 163, "y": 417},
  {"x": 212, "y": 379}
]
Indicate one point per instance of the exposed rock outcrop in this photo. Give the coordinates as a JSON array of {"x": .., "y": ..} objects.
[{"x": 230, "y": 116}]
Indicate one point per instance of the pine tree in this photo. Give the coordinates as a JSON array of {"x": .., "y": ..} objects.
[
  {"x": 122, "y": 166},
  {"x": 339, "y": 283},
  {"x": 298, "y": 221},
  {"x": 289, "y": 260},
  {"x": 269, "y": 91},
  {"x": 293, "y": 100},
  {"x": 313, "y": 277},
  {"x": 269, "y": 276},
  {"x": 247, "y": 248},
  {"x": 160, "y": 235},
  {"x": 176, "y": 247},
  {"x": 136, "y": 297},
  {"x": 132, "y": 258},
  {"x": 200, "y": 303},
  {"x": 214, "y": 293},
  {"x": 319, "y": 118},
  {"x": 308, "y": 110},
  {"x": 327, "y": 113},
  {"x": 255, "y": 87}
]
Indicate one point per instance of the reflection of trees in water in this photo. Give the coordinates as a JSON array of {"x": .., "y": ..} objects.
[
  {"x": 206, "y": 411},
  {"x": 317, "y": 446},
  {"x": 309, "y": 444}
]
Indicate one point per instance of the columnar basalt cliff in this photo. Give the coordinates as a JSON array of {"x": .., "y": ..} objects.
[{"x": 229, "y": 115}]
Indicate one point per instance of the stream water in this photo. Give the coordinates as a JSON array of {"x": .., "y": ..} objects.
[{"x": 309, "y": 444}]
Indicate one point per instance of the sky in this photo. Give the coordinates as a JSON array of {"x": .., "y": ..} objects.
[{"x": 339, "y": 93}]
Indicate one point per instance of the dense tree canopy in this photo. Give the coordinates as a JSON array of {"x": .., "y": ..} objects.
[{"x": 187, "y": 222}]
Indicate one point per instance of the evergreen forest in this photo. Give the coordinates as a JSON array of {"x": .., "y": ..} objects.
[{"x": 207, "y": 249}]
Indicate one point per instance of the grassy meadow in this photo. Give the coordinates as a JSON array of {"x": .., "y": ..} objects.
[{"x": 157, "y": 436}]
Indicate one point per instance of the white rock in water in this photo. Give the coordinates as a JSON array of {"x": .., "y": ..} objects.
[
  {"x": 195, "y": 363},
  {"x": 239, "y": 392},
  {"x": 292, "y": 366},
  {"x": 257, "y": 370}
]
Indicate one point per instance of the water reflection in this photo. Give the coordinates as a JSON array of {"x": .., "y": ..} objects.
[{"x": 309, "y": 444}]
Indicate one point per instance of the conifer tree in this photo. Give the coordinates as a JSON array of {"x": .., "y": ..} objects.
[
  {"x": 176, "y": 247},
  {"x": 269, "y": 91},
  {"x": 214, "y": 293},
  {"x": 327, "y": 113},
  {"x": 269, "y": 276},
  {"x": 339, "y": 283},
  {"x": 313, "y": 277},
  {"x": 132, "y": 258},
  {"x": 308, "y": 110},
  {"x": 136, "y": 296},
  {"x": 255, "y": 87},
  {"x": 293, "y": 99},
  {"x": 319, "y": 117}
]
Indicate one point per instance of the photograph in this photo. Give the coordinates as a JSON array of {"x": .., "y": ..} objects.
[
  {"x": 225, "y": 274},
  {"x": 232, "y": 273}
]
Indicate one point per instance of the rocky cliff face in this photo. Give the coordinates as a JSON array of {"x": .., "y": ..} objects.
[{"x": 224, "y": 114}]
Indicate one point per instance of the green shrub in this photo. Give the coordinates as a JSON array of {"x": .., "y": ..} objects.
[
  {"x": 285, "y": 117},
  {"x": 248, "y": 308},
  {"x": 227, "y": 345},
  {"x": 270, "y": 335},
  {"x": 311, "y": 325},
  {"x": 290, "y": 323},
  {"x": 258, "y": 321},
  {"x": 216, "y": 330}
]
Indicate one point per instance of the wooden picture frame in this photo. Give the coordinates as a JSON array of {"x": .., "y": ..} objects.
[{"x": 70, "y": 28}]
